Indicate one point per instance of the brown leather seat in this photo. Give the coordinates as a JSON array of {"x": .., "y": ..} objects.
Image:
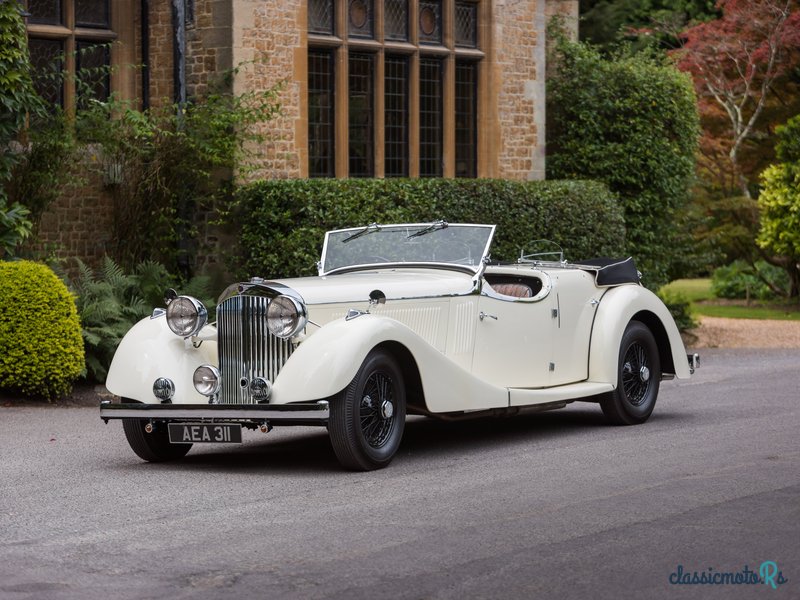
[{"x": 515, "y": 290}]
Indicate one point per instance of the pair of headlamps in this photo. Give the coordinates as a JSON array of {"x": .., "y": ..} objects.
[{"x": 286, "y": 316}]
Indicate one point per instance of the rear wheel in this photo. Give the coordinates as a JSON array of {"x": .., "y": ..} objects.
[
  {"x": 367, "y": 418},
  {"x": 154, "y": 446},
  {"x": 638, "y": 378}
]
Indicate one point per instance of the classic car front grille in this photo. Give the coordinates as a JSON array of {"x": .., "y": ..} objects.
[{"x": 246, "y": 348}]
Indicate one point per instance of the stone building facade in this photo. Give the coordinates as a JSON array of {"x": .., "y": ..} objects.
[{"x": 370, "y": 88}]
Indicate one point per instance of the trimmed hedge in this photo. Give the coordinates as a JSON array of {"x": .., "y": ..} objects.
[
  {"x": 41, "y": 349},
  {"x": 282, "y": 222}
]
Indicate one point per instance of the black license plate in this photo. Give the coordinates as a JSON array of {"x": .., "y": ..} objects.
[{"x": 208, "y": 433}]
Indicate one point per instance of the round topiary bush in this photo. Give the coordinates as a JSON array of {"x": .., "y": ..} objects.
[{"x": 41, "y": 348}]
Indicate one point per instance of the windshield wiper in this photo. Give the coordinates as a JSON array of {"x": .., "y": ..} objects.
[
  {"x": 435, "y": 226},
  {"x": 371, "y": 228}
]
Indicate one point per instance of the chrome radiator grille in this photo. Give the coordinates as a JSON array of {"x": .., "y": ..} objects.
[{"x": 246, "y": 347}]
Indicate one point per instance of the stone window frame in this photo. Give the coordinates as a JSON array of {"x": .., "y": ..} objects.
[
  {"x": 120, "y": 34},
  {"x": 340, "y": 44}
]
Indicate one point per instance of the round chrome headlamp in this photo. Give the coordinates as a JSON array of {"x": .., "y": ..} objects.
[
  {"x": 206, "y": 380},
  {"x": 286, "y": 317},
  {"x": 186, "y": 316}
]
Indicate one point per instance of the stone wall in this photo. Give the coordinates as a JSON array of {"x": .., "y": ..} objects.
[
  {"x": 80, "y": 223},
  {"x": 208, "y": 46},
  {"x": 517, "y": 44},
  {"x": 269, "y": 37},
  {"x": 161, "y": 53}
]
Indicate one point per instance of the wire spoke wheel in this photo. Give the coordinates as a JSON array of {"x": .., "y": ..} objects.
[
  {"x": 377, "y": 410},
  {"x": 636, "y": 374},
  {"x": 639, "y": 375},
  {"x": 368, "y": 417}
]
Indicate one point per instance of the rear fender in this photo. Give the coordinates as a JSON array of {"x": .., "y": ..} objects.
[{"x": 617, "y": 308}]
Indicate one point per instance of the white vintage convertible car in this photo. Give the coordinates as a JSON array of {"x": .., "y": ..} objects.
[{"x": 402, "y": 319}]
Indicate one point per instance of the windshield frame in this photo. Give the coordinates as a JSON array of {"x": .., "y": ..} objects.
[{"x": 471, "y": 269}]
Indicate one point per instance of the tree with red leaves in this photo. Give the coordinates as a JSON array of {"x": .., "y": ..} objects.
[{"x": 735, "y": 62}]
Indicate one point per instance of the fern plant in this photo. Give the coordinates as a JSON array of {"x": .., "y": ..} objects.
[{"x": 111, "y": 301}]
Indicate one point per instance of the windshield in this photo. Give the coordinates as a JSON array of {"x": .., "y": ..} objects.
[{"x": 437, "y": 243}]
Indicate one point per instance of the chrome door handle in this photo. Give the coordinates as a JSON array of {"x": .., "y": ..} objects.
[{"x": 482, "y": 315}]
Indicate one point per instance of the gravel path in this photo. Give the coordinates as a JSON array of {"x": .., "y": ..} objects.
[{"x": 715, "y": 332}]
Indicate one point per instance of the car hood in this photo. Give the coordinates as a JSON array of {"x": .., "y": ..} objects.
[{"x": 394, "y": 283}]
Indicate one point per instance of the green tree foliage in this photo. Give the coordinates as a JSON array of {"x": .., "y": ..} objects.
[
  {"x": 740, "y": 280},
  {"x": 779, "y": 203},
  {"x": 282, "y": 223},
  {"x": 631, "y": 122},
  {"x": 41, "y": 351},
  {"x": 606, "y": 22},
  {"x": 17, "y": 98}
]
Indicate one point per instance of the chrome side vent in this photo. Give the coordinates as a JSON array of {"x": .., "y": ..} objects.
[{"x": 246, "y": 347}]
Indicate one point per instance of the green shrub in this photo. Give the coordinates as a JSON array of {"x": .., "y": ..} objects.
[
  {"x": 679, "y": 307},
  {"x": 111, "y": 301},
  {"x": 281, "y": 223},
  {"x": 631, "y": 122},
  {"x": 41, "y": 351},
  {"x": 738, "y": 279}
]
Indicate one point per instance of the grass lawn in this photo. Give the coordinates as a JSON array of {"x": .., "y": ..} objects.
[{"x": 698, "y": 292}]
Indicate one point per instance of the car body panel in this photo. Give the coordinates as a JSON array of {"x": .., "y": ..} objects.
[{"x": 150, "y": 350}]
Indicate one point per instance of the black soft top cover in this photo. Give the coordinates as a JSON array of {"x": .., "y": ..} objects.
[{"x": 612, "y": 271}]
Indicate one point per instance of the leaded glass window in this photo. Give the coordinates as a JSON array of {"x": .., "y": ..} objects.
[
  {"x": 391, "y": 49},
  {"x": 430, "y": 117},
  {"x": 362, "y": 113},
  {"x": 430, "y": 22},
  {"x": 320, "y": 16},
  {"x": 466, "y": 118},
  {"x": 360, "y": 18},
  {"x": 320, "y": 113},
  {"x": 93, "y": 72},
  {"x": 47, "y": 61},
  {"x": 91, "y": 13},
  {"x": 395, "y": 20},
  {"x": 396, "y": 116},
  {"x": 45, "y": 12},
  {"x": 466, "y": 24}
]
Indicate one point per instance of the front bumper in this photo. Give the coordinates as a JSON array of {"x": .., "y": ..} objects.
[{"x": 306, "y": 413}]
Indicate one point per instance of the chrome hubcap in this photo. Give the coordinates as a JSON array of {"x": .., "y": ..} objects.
[{"x": 387, "y": 409}]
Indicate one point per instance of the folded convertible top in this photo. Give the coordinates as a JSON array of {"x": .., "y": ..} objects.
[{"x": 612, "y": 271}]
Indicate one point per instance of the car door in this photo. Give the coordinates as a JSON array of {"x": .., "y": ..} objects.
[
  {"x": 513, "y": 338},
  {"x": 576, "y": 297}
]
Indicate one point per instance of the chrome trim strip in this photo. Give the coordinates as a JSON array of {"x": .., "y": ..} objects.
[{"x": 318, "y": 411}]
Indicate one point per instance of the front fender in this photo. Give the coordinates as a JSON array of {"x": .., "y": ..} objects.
[
  {"x": 618, "y": 306},
  {"x": 150, "y": 350},
  {"x": 325, "y": 363}
]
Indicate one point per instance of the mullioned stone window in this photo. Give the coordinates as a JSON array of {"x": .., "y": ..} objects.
[{"x": 394, "y": 87}]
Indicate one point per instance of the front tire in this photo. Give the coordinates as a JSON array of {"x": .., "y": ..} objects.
[
  {"x": 368, "y": 417},
  {"x": 155, "y": 446},
  {"x": 638, "y": 378}
]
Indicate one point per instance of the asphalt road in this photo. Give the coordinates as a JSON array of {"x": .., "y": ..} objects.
[{"x": 556, "y": 505}]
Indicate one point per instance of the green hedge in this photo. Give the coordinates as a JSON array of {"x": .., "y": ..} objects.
[
  {"x": 281, "y": 223},
  {"x": 41, "y": 349}
]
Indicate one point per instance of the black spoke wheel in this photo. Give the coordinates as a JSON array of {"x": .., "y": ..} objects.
[
  {"x": 153, "y": 446},
  {"x": 638, "y": 378},
  {"x": 368, "y": 417}
]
